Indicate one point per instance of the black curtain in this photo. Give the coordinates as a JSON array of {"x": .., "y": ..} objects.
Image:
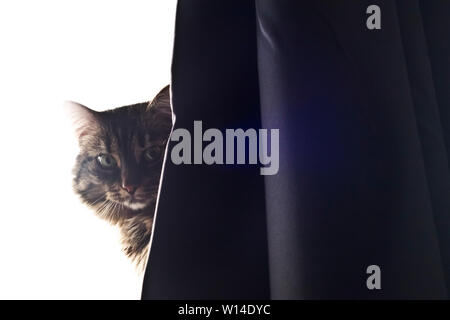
[{"x": 364, "y": 119}]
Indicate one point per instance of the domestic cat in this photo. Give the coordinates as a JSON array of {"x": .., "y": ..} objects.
[{"x": 118, "y": 168}]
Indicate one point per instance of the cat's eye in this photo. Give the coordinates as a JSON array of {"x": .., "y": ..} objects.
[
  {"x": 106, "y": 161},
  {"x": 152, "y": 154}
]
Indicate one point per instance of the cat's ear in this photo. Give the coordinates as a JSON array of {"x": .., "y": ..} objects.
[
  {"x": 83, "y": 119},
  {"x": 161, "y": 101},
  {"x": 158, "y": 113}
]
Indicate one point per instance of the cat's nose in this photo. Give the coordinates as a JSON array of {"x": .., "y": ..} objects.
[{"x": 129, "y": 188}]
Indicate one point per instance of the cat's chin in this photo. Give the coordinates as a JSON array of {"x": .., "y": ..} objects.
[{"x": 133, "y": 205}]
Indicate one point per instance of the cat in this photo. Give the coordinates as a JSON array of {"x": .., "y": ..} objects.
[{"x": 118, "y": 168}]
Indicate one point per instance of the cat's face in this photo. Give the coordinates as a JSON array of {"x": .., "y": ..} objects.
[{"x": 121, "y": 153}]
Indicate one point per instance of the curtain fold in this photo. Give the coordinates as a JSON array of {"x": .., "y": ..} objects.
[
  {"x": 364, "y": 138},
  {"x": 436, "y": 24},
  {"x": 210, "y": 237},
  {"x": 428, "y": 119}
]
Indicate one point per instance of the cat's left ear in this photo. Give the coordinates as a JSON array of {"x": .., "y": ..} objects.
[
  {"x": 161, "y": 101},
  {"x": 83, "y": 119}
]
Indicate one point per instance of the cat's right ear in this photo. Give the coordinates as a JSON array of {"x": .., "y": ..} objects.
[{"x": 83, "y": 119}]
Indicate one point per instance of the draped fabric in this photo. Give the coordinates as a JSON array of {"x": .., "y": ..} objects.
[{"x": 364, "y": 119}]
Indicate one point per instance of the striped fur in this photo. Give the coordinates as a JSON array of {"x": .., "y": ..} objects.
[{"x": 129, "y": 135}]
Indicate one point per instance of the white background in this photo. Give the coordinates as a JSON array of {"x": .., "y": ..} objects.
[{"x": 103, "y": 54}]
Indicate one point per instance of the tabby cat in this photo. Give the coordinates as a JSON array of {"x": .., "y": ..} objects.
[{"x": 117, "y": 171}]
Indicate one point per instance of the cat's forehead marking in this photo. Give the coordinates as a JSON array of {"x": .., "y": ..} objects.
[
  {"x": 125, "y": 143},
  {"x": 136, "y": 147},
  {"x": 114, "y": 149},
  {"x": 147, "y": 139}
]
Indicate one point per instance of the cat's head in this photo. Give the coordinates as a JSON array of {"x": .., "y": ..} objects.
[{"x": 121, "y": 153}]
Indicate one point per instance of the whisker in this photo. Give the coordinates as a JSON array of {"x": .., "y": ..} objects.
[{"x": 97, "y": 200}]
